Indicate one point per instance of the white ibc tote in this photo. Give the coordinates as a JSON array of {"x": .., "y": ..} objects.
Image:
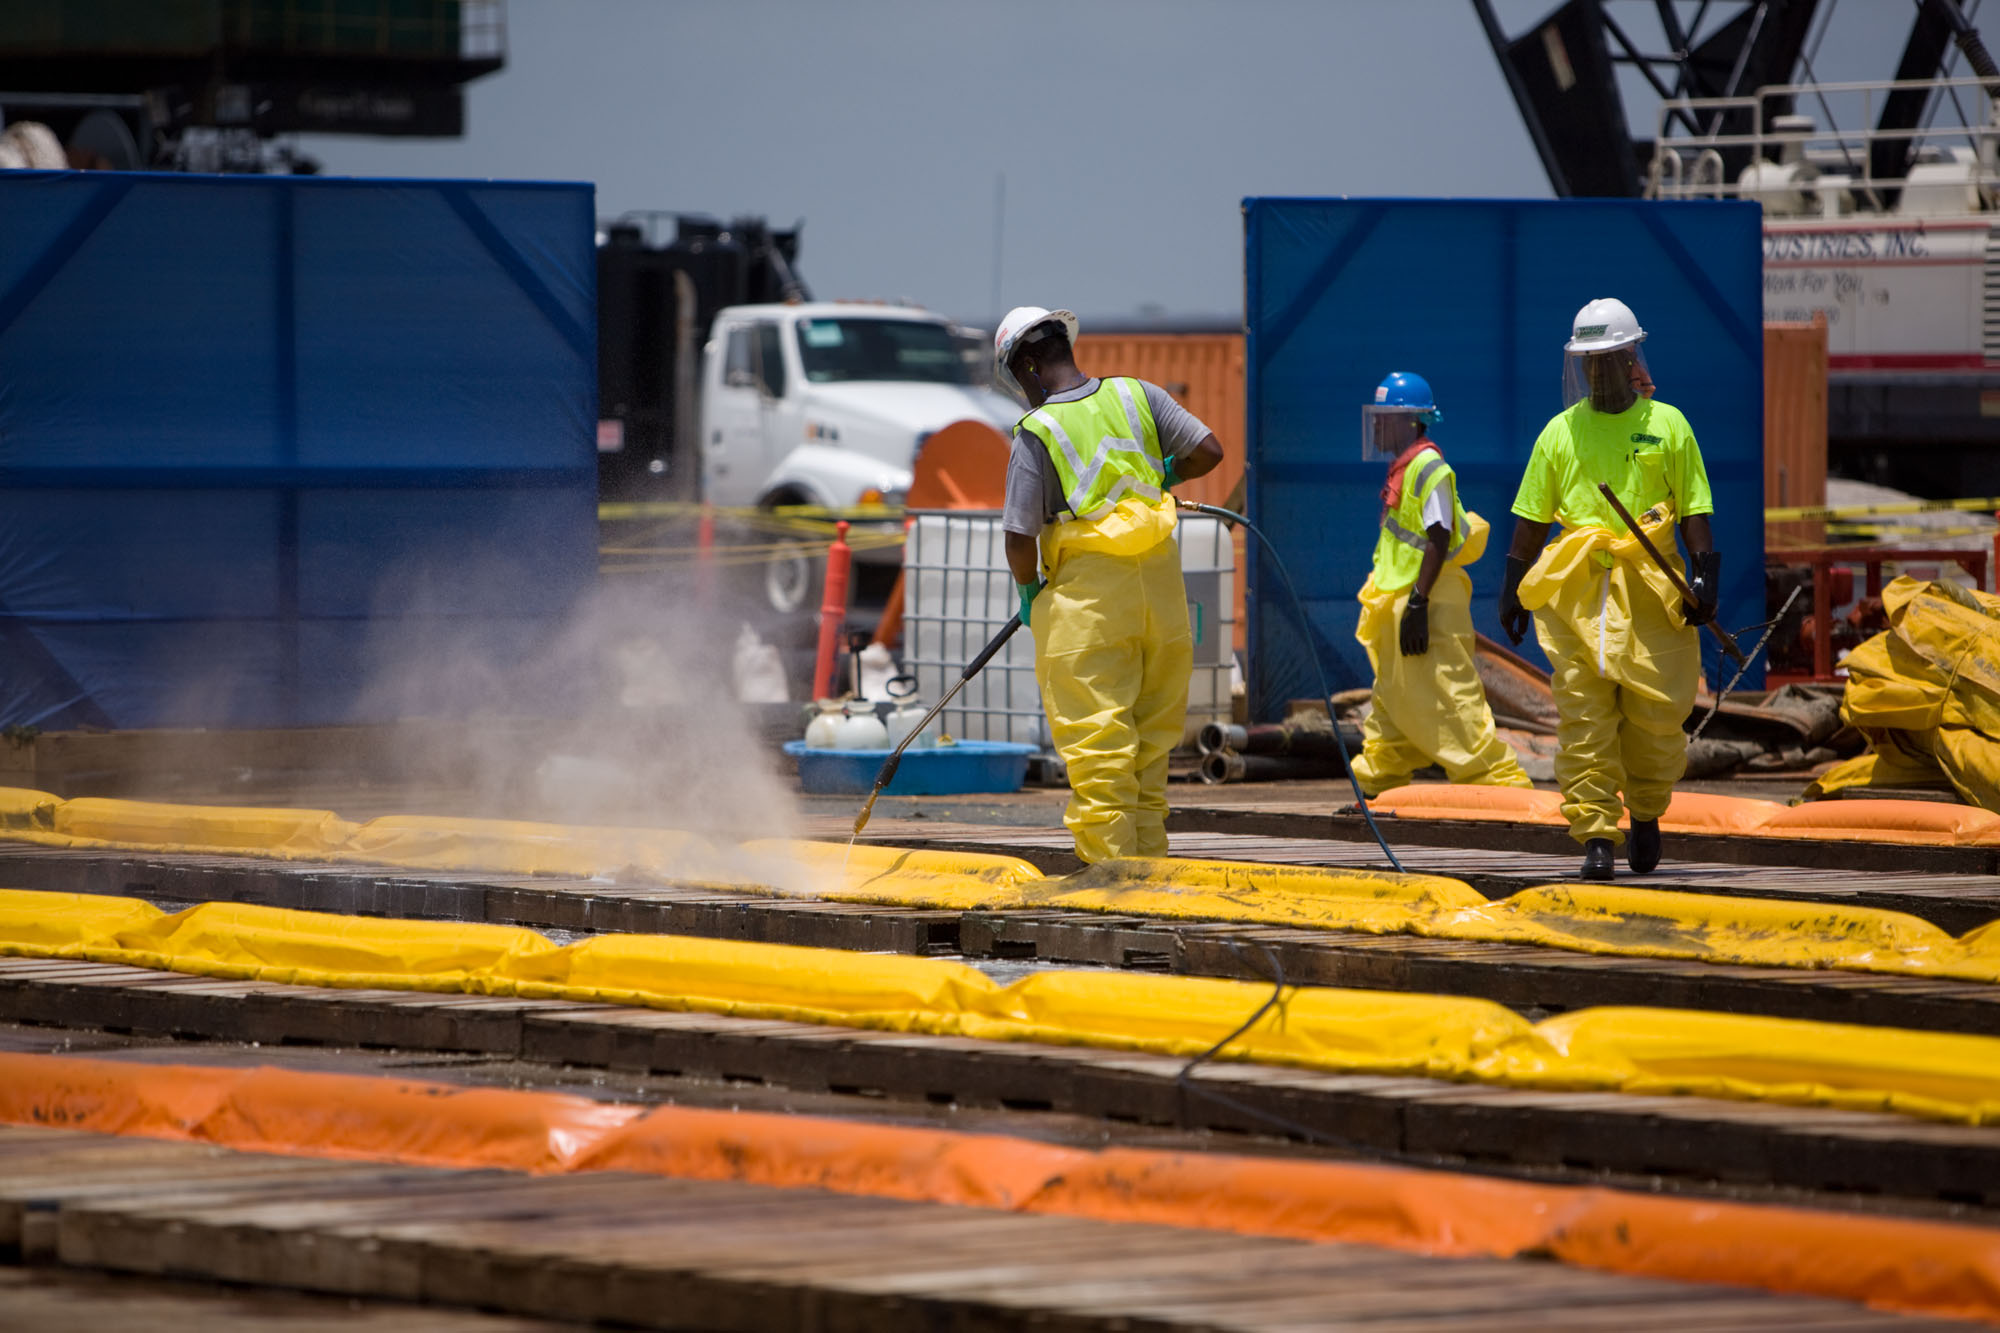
[{"x": 959, "y": 592}]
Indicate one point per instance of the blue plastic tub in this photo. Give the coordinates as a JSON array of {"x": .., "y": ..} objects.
[{"x": 945, "y": 770}]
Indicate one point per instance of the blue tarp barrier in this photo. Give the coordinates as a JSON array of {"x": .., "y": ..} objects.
[
  {"x": 266, "y": 441},
  {"x": 1477, "y": 297}
]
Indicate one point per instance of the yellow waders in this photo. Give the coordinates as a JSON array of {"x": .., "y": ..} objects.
[{"x": 1624, "y": 669}]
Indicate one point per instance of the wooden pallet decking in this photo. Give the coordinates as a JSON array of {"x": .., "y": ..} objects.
[
  {"x": 1690, "y": 1140},
  {"x": 1524, "y": 977},
  {"x": 45, "y": 1297},
  {"x": 728, "y": 1258}
]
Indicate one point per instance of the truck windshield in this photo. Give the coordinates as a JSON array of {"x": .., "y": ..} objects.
[{"x": 835, "y": 350}]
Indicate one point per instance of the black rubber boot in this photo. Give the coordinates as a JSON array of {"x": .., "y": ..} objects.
[
  {"x": 1642, "y": 849},
  {"x": 1596, "y": 859}
]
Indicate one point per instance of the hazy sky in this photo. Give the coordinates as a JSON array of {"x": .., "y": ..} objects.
[{"x": 1128, "y": 131}]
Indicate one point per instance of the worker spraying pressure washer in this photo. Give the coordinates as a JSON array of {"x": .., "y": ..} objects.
[
  {"x": 1416, "y": 609},
  {"x": 1625, "y": 660},
  {"x": 1089, "y": 532}
]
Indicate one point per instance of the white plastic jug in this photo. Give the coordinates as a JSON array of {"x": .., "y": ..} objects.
[
  {"x": 823, "y": 731},
  {"x": 909, "y": 711},
  {"x": 860, "y": 729}
]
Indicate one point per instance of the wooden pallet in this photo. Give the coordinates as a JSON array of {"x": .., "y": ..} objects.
[
  {"x": 89, "y": 1301},
  {"x": 675, "y": 1254},
  {"x": 1690, "y": 1140},
  {"x": 1531, "y": 979}
]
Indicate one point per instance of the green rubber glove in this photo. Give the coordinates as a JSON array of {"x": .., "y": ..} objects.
[
  {"x": 1028, "y": 591},
  {"x": 1170, "y": 476}
]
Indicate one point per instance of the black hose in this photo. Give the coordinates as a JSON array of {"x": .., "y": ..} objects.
[
  {"x": 1319, "y": 667},
  {"x": 1185, "y": 1085}
]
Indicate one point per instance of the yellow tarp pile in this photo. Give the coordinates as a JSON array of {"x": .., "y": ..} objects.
[
  {"x": 1938, "y": 1075},
  {"x": 1926, "y": 693}
]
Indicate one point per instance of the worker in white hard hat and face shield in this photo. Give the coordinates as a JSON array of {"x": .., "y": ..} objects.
[
  {"x": 1428, "y": 706},
  {"x": 1089, "y": 529},
  {"x": 1621, "y": 641}
]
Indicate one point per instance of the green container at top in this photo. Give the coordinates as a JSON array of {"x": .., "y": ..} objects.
[{"x": 423, "y": 29}]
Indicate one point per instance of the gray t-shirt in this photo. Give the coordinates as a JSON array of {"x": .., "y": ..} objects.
[{"x": 1034, "y": 492}]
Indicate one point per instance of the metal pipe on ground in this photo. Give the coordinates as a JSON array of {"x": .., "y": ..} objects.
[
  {"x": 1275, "y": 738},
  {"x": 1219, "y": 766}
]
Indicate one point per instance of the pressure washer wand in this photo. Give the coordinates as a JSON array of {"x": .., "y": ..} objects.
[
  {"x": 1722, "y": 636},
  {"x": 888, "y": 773}
]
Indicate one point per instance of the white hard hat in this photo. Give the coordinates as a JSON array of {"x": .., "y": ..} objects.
[
  {"x": 1602, "y": 325},
  {"x": 1013, "y": 330}
]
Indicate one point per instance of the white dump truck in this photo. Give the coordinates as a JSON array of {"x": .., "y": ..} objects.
[{"x": 828, "y": 403}]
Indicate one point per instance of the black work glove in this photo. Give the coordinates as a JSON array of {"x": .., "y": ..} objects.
[
  {"x": 1514, "y": 617},
  {"x": 1705, "y": 582},
  {"x": 1416, "y": 625}
]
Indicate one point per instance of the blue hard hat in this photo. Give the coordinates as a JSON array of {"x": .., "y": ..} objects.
[
  {"x": 1389, "y": 421},
  {"x": 1402, "y": 389}
]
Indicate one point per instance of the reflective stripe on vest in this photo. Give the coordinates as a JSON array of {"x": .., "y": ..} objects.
[
  {"x": 1097, "y": 464},
  {"x": 1399, "y": 550},
  {"x": 1419, "y": 491}
]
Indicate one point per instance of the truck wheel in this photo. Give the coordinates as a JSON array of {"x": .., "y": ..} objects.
[{"x": 794, "y": 578}]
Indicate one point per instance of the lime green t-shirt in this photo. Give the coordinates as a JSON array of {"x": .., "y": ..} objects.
[{"x": 1646, "y": 454}]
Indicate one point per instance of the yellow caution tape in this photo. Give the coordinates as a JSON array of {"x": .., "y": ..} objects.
[
  {"x": 1809, "y": 512},
  {"x": 636, "y": 560},
  {"x": 1647, "y": 1051},
  {"x": 790, "y": 531},
  {"x": 757, "y": 551},
  {"x": 1883, "y": 532},
  {"x": 627, "y": 510}
]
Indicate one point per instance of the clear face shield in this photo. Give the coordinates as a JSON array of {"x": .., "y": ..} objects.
[
  {"x": 1612, "y": 380},
  {"x": 1387, "y": 431}
]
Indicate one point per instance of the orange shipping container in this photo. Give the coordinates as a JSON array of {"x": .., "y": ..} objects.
[
  {"x": 1795, "y": 427},
  {"x": 1204, "y": 373}
]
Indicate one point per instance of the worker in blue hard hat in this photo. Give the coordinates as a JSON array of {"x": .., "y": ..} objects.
[
  {"x": 1428, "y": 706},
  {"x": 1089, "y": 530},
  {"x": 1624, "y": 657}
]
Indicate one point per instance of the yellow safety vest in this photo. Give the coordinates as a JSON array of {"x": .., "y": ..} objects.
[
  {"x": 1106, "y": 453},
  {"x": 1400, "y": 546}
]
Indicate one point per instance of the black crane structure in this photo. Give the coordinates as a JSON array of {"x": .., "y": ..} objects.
[{"x": 1564, "y": 72}]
